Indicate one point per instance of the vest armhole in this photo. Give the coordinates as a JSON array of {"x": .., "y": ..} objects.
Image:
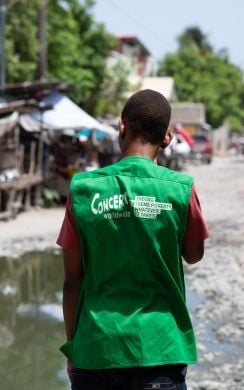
[{"x": 189, "y": 186}]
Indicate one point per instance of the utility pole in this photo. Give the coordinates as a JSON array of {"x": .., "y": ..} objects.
[
  {"x": 42, "y": 39},
  {"x": 2, "y": 44}
]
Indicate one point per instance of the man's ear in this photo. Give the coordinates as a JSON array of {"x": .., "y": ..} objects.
[
  {"x": 121, "y": 128},
  {"x": 167, "y": 139}
]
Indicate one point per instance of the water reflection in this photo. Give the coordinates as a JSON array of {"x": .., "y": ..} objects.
[{"x": 31, "y": 324}]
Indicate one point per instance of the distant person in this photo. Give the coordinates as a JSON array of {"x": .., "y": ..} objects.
[
  {"x": 178, "y": 129},
  {"x": 92, "y": 161},
  {"x": 105, "y": 151},
  {"x": 127, "y": 227}
]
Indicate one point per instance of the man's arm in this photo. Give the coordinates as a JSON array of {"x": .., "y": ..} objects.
[
  {"x": 69, "y": 240},
  {"x": 73, "y": 277},
  {"x": 196, "y": 231},
  {"x": 193, "y": 252}
]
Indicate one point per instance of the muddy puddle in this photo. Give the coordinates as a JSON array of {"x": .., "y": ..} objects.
[{"x": 31, "y": 322}]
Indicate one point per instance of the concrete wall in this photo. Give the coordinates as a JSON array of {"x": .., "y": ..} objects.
[{"x": 221, "y": 139}]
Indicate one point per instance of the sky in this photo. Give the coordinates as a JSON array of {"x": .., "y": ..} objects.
[{"x": 157, "y": 23}]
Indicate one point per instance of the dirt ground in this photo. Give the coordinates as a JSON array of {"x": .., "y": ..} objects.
[
  {"x": 218, "y": 280},
  {"x": 33, "y": 230},
  {"x": 216, "y": 284}
]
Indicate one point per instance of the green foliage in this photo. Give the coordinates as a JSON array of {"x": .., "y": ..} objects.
[
  {"x": 204, "y": 76},
  {"x": 77, "y": 46},
  {"x": 77, "y": 49},
  {"x": 22, "y": 45},
  {"x": 193, "y": 37},
  {"x": 114, "y": 87}
]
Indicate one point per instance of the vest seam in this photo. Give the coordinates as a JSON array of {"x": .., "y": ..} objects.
[{"x": 134, "y": 176}]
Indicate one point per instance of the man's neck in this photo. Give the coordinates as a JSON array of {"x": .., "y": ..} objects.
[{"x": 140, "y": 150}]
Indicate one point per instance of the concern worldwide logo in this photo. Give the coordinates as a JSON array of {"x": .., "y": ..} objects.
[{"x": 116, "y": 206}]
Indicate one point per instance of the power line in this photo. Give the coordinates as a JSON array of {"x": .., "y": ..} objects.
[{"x": 136, "y": 21}]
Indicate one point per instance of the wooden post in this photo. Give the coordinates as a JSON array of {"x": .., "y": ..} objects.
[
  {"x": 21, "y": 159},
  {"x": 27, "y": 204},
  {"x": 37, "y": 195},
  {"x": 10, "y": 202},
  {"x": 32, "y": 158},
  {"x": 2, "y": 44},
  {"x": 42, "y": 57},
  {"x": 40, "y": 153}
]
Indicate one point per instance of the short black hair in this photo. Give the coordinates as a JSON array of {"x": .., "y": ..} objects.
[{"x": 147, "y": 114}]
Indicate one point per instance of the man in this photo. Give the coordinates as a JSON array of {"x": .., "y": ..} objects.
[{"x": 126, "y": 229}]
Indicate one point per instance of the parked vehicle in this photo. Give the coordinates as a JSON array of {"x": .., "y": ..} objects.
[
  {"x": 202, "y": 149},
  {"x": 175, "y": 155}
]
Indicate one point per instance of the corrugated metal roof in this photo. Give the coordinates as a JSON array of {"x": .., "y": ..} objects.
[{"x": 7, "y": 123}]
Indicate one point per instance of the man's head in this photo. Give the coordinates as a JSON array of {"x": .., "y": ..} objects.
[{"x": 146, "y": 117}]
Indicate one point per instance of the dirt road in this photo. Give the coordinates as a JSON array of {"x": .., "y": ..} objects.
[
  {"x": 33, "y": 230},
  {"x": 219, "y": 280}
]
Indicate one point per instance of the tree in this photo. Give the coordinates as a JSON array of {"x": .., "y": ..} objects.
[
  {"x": 77, "y": 46},
  {"x": 195, "y": 38},
  {"x": 21, "y": 42},
  {"x": 201, "y": 75},
  {"x": 114, "y": 87}
]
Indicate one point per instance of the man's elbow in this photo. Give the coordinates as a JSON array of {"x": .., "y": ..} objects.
[
  {"x": 193, "y": 253},
  {"x": 193, "y": 259}
]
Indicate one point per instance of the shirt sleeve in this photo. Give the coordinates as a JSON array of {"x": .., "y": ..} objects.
[
  {"x": 196, "y": 229},
  {"x": 68, "y": 237}
]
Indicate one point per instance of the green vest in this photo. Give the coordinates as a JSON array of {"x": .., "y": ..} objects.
[{"x": 131, "y": 218}]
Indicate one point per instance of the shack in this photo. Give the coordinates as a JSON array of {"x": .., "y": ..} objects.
[
  {"x": 72, "y": 139},
  {"x": 44, "y": 139},
  {"x": 22, "y": 145},
  {"x": 20, "y": 164}
]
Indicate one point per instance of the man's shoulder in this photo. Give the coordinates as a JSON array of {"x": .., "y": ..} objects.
[
  {"x": 174, "y": 176},
  {"x": 105, "y": 171}
]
